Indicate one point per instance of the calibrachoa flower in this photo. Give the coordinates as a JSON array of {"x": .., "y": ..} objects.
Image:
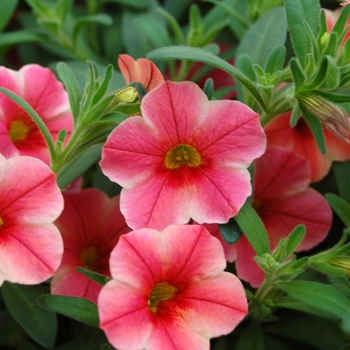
[
  {"x": 142, "y": 71},
  {"x": 187, "y": 157},
  {"x": 283, "y": 200},
  {"x": 38, "y": 86},
  {"x": 302, "y": 142},
  {"x": 30, "y": 244},
  {"x": 91, "y": 224},
  {"x": 169, "y": 291}
]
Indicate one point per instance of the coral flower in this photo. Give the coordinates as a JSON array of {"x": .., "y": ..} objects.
[
  {"x": 187, "y": 157},
  {"x": 169, "y": 291},
  {"x": 31, "y": 246},
  {"x": 91, "y": 224},
  {"x": 38, "y": 86},
  {"x": 302, "y": 142},
  {"x": 142, "y": 71},
  {"x": 283, "y": 200}
]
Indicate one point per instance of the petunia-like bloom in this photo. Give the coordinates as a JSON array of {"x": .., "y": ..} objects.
[
  {"x": 141, "y": 71},
  {"x": 39, "y": 87},
  {"x": 187, "y": 157},
  {"x": 302, "y": 142},
  {"x": 91, "y": 224},
  {"x": 169, "y": 291},
  {"x": 283, "y": 200},
  {"x": 31, "y": 246}
]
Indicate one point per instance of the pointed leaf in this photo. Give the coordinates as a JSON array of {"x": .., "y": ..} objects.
[
  {"x": 299, "y": 12},
  {"x": 341, "y": 171},
  {"x": 100, "y": 279},
  {"x": 254, "y": 229},
  {"x": 340, "y": 206},
  {"x": 78, "y": 308},
  {"x": 275, "y": 61},
  {"x": 22, "y": 302}
]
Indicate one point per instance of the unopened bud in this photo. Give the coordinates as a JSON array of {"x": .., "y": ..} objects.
[
  {"x": 342, "y": 262},
  {"x": 125, "y": 95},
  {"x": 332, "y": 116}
]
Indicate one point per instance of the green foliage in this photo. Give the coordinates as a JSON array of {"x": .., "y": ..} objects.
[
  {"x": 78, "y": 308},
  {"x": 22, "y": 302}
]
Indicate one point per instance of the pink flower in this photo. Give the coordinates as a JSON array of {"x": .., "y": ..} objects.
[
  {"x": 38, "y": 86},
  {"x": 169, "y": 291},
  {"x": 283, "y": 200},
  {"x": 185, "y": 158},
  {"x": 302, "y": 142},
  {"x": 142, "y": 71},
  {"x": 91, "y": 225},
  {"x": 30, "y": 244}
]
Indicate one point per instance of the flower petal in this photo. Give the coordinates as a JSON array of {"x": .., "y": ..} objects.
[{"x": 125, "y": 316}]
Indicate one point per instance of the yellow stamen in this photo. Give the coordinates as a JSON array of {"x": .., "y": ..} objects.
[
  {"x": 161, "y": 292},
  {"x": 18, "y": 131},
  {"x": 182, "y": 154},
  {"x": 1, "y": 222},
  {"x": 88, "y": 257}
]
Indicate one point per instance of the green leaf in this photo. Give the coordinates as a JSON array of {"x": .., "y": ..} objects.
[
  {"x": 98, "y": 278},
  {"x": 316, "y": 128},
  {"x": 321, "y": 296},
  {"x": 19, "y": 36},
  {"x": 105, "y": 347},
  {"x": 174, "y": 25},
  {"x": 72, "y": 87},
  {"x": 208, "y": 88},
  {"x": 275, "y": 60},
  {"x": 254, "y": 229},
  {"x": 22, "y": 303},
  {"x": 81, "y": 23},
  {"x": 263, "y": 36},
  {"x": 230, "y": 232},
  {"x": 341, "y": 171},
  {"x": 341, "y": 23},
  {"x": 295, "y": 304},
  {"x": 297, "y": 73},
  {"x": 199, "y": 55},
  {"x": 340, "y": 206},
  {"x": 7, "y": 10},
  {"x": 332, "y": 74},
  {"x": 319, "y": 333},
  {"x": 296, "y": 114},
  {"x": 300, "y": 12},
  {"x": 252, "y": 338},
  {"x": 80, "y": 163},
  {"x": 294, "y": 239},
  {"x": 78, "y": 308},
  {"x": 62, "y": 9},
  {"x": 138, "y": 5}
]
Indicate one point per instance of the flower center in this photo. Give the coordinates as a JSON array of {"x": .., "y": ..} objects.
[
  {"x": 1, "y": 222},
  {"x": 161, "y": 292},
  {"x": 18, "y": 131},
  {"x": 182, "y": 154},
  {"x": 88, "y": 257}
]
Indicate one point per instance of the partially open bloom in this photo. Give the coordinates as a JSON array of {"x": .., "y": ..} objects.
[
  {"x": 187, "y": 157},
  {"x": 301, "y": 141},
  {"x": 283, "y": 200},
  {"x": 141, "y": 71},
  {"x": 91, "y": 224},
  {"x": 30, "y": 244},
  {"x": 39, "y": 87},
  {"x": 169, "y": 291}
]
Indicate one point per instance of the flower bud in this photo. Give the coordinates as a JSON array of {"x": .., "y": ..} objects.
[
  {"x": 342, "y": 262},
  {"x": 331, "y": 115},
  {"x": 127, "y": 94}
]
